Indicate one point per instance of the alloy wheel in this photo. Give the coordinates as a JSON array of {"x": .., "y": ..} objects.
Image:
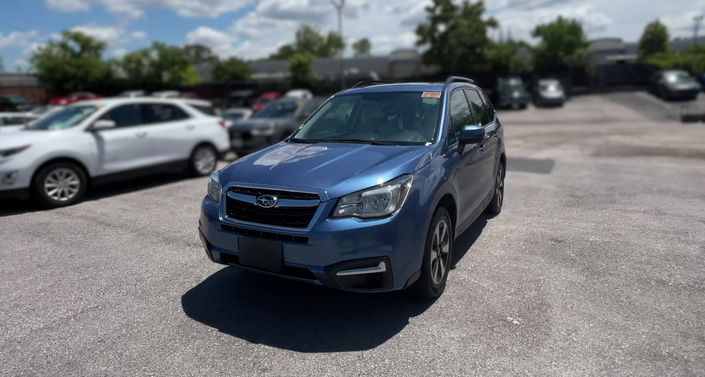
[
  {"x": 499, "y": 186},
  {"x": 204, "y": 160},
  {"x": 440, "y": 252},
  {"x": 62, "y": 184}
]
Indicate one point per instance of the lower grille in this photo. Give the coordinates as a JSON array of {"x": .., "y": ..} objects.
[{"x": 265, "y": 235}]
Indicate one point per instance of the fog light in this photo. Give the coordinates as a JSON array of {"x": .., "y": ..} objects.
[{"x": 9, "y": 178}]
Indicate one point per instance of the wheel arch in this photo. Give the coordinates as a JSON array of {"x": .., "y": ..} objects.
[
  {"x": 448, "y": 202},
  {"x": 70, "y": 160}
]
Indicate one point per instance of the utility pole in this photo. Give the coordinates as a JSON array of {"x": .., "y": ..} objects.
[
  {"x": 339, "y": 4},
  {"x": 697, "y": 19}
]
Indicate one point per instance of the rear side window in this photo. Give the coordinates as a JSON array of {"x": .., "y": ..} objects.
[
  {"x": 160, "y": 113},
  {"x": 460, "y": 115},
  {"x": 125, "y": 116},
  {"x": 208, "y": 110},
  {"x": 479, "y": 112}
]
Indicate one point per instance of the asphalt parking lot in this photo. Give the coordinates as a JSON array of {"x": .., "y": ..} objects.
[{"x": 594, "y": 267}]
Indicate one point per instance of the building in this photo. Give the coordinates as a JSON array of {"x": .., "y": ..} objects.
[
  {"x": 23, "y": 84},
  {"x": 615, "y": 63},
  {"x": 398, "y": 66}
]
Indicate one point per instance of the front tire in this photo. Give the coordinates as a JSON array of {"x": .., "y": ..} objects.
[
  {"x": 203, "y": 161},
  {"x": 437, "y": 257},
  {"x": 59, "y": 184},
  {"x": 495, "y": 206}
]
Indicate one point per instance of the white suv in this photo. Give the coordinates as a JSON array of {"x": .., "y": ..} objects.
[{"x": 59, "y": 155}]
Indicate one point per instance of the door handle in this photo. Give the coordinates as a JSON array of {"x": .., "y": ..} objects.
[
  {"x": 190, "y": 127},
  {"x": 482, "y": 147},
  {"x": 141, "y": 134}
]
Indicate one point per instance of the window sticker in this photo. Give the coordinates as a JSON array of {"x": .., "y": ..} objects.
[{"x": 431, "y": 95}]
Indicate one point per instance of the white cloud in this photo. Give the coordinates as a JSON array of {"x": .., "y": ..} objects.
[
  {"x": 221, "y": 43},
  {"x": 17, "y": 38},
  {"x": 136, "y": 8},
  {"x": 68, "y": 5},
  {"x": 107, "y": 34}
]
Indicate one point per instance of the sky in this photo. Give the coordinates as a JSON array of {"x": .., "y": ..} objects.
[{"x": 255, "y": 28}]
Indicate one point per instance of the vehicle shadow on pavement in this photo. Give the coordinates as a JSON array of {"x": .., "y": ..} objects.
[
  {"x": 464, "y": 242},
  {"x": 302, "y": 317},
  {"x": 297, "y": 316},
  {"x": 9, "y": 207}
]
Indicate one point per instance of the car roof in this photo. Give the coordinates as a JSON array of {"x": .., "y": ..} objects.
[
  {"x": 401, "y": 87},
  {"x": 111, "y": 101}
]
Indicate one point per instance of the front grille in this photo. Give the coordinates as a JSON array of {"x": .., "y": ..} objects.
[
  {"x": 278, "y": 193},
  {"x": 281, "y": 215}
]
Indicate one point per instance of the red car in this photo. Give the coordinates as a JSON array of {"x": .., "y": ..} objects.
[
  {"x": 264, "y": 99},
  {"x": 73, "y": 97}
]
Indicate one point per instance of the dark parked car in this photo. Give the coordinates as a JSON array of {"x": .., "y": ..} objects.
[
  {"x": 13, "y": 102},
  {"x": 272, "y": 124},
  {"x": 511, "y": 93},
  {"x": 674, "y": 85}
]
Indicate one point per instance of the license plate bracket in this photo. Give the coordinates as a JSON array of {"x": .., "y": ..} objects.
[{"x": 262, "y": 254}]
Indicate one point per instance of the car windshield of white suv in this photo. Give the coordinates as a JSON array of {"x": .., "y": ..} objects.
[
  {"x": 63, "y": 119},
  {"x": 392, "y": 118}
]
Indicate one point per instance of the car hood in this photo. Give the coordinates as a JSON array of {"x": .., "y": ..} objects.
[
  {"x": 330, "y": 169},
  {"x": 21, "y": 137},
  {"x": 251, "y": 124}
]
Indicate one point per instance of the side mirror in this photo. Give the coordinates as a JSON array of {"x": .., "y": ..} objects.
[
  {"x": 103, "y": 124},
  {"x": 472, "y": 134}
]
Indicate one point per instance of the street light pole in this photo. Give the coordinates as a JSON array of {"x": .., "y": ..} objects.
[
  {"x": 697, "y": 19},
  {"x": 339, "y": 4}
]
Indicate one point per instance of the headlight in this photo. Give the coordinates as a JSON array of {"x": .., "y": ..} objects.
[
  {"x": 378, "y": 201},
  {"x": 11, "y": 151},
  {"x": 214, "y": 188}
]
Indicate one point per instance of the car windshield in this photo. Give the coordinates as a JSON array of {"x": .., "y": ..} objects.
[
  {"x": 377, "y": 118},
  {"x": 233, "y": 116},
  {"x": 679, "y": 77},
  {"x": 63, "y": 119},
  {"x": 277, "y": 109}
]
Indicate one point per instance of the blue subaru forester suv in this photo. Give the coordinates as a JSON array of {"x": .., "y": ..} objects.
[{"x": 368, "y": 194}]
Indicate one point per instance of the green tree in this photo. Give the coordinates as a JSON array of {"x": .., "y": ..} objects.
[
  {"x": 563, "y": 46},
  {"x": 301, "y": 72},
  {"x": 231, "y": 70},
  {"x": 312, "y": 41},
  {"x": 456, "y": 36},
  {"x": 200, "y": 54},
  {"x": 72, "y": 63},
  {"x": 654, "y": 40},
  {"x": 691, "y": 60},
  {"x": 160, "y": 66},
  {"x": 506, "y": 58},
  {"x": 362, "y": 47}
]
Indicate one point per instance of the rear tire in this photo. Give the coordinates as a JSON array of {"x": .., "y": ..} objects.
[
  {"x": 495, "y": 206},
  {"x": 59, "y": 184},
  {"x": 203, "y": 161},
  {"x": 438, "y": 255}
]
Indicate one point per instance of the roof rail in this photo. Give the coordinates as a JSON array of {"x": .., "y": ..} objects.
[
  {"x": 459, "y": 79},
  {"x": 364, "y": 83}
]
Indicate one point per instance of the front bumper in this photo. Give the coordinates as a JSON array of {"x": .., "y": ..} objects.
[
  {"x": 15, "y": 176},
  {"x": 348, "y": 254}
]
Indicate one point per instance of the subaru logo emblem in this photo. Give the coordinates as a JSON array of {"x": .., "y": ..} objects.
[{"x": 267, "y": 201}]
